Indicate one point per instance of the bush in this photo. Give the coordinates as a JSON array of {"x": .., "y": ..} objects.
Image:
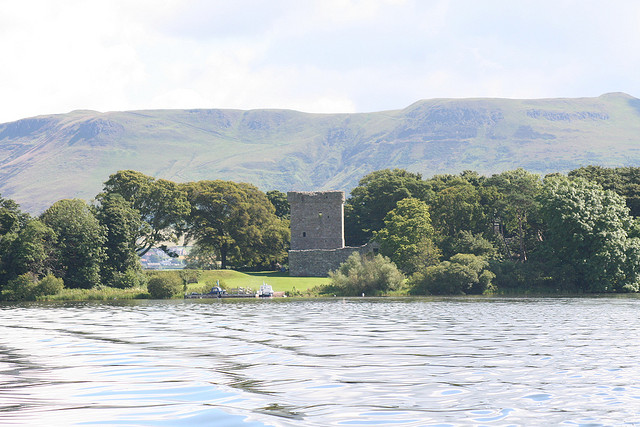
[
  {"x": 26, "y": 287},
  {"x": 363, "y": 274},
  {"x": 50, "y": 285},
  {"x": 173, "y": 274},
  {"x": 462, "y": 274},
  {"x": 485, "y": 283},
  {"x": 518, "y": 277},
  {"x": 23, "y": 287},
  {"x": 161, "y": 287},
  {"x": 129, "y": 279},
  {"x": 294, "y": 292}
]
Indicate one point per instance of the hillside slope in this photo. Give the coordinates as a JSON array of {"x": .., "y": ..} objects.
[{"x": 47, "y": 158}]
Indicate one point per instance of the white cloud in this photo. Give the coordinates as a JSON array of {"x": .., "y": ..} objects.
[
  {"x": 317, "y": 56},
  {"x": 59, "y": 59}
]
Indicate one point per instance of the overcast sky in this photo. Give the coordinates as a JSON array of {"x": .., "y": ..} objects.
[{"x": 314, "y": 56}]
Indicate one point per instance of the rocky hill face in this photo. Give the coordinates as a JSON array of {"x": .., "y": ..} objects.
[{"x": 46, "y": 158}]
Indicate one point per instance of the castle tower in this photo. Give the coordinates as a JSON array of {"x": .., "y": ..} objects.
[{"x": 317, "y": 219}]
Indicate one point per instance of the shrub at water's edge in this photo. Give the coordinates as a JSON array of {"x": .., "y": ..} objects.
[
  {"x": 163, "y": 287},
  {"x": 27, "y": 287},
  {"x": 463, "y": 274},
  {"x": 362, "y": 274}
]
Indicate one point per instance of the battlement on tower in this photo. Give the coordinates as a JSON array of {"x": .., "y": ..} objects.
[{"x": 319, "y": 197}]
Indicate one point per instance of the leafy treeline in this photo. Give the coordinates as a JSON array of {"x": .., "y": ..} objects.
[
  {"x": 450, "y": 234},
  {"x": 513, "y": 231},
  {"x": 81, "y": 245}
]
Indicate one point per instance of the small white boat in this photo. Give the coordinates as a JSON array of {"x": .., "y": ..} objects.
[{"x": 266, "y": 291}]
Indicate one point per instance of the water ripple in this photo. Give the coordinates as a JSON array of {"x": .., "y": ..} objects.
[{"x": 400, "y": 362}]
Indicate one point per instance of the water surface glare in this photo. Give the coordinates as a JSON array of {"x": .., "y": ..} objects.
[{"x": 335, "y": 362}]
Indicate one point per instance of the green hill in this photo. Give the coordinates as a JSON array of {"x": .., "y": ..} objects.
[{"x": 47, "y": 158}]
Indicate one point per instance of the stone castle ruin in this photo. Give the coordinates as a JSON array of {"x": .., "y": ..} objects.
[{"x": 317, "y": 233}]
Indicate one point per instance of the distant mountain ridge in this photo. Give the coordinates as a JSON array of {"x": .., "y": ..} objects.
[{"x": 46, "y": 158}]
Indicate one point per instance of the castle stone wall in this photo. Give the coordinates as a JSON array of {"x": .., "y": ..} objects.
[
  {"x": 319, "y": 262},
  {"x": 317, "y": 220}
]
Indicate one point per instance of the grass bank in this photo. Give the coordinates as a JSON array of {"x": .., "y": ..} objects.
[
  {"x": 97, "y": 294},
  {"x": 280, "y": 282}
]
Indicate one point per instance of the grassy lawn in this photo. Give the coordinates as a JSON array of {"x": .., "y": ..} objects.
[{"x": 280, "y": 282}]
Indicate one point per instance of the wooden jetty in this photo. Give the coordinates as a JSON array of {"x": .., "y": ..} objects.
[{"x": 217, "y": 292}]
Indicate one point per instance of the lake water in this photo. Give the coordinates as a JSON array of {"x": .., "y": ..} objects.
[{"x": 336, "y": 362}]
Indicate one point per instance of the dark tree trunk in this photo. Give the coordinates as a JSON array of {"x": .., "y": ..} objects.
[
  {"x": 223, "y": 258},
  {"x": 523, "y": 252}
]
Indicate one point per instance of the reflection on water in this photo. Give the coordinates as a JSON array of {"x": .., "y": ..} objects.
[{"x": 448, "y": 361}]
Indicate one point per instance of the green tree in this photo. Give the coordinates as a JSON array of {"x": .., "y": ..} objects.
[
  {"x": 189, "y": 275},
  {"x": 162, "y": 205},
  {"x": 517, "y": 208},
  {"x": 467, "y": 242},
  {"x": 31, "y": 250},
  {"x": 12, "y": 218},
  {"x": 473, "y": 178},
  {"x": 625, "y": 181},
  {"x": 369, "y": 275},
  {"x": 279, "y": 201},
  {"x": 587, "y": 236},
  {"x": 202, "y": 257},
  {"x": 237, "y": 221},
  {"x": 443, "y": 181},
  {"x": 456, "y": 208},
  {"x": 122, "y": 223},
  {"x": 78, "y": 252},
  {"x": 407, "y": 236},
  {"x": 376, "y": 194}
]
